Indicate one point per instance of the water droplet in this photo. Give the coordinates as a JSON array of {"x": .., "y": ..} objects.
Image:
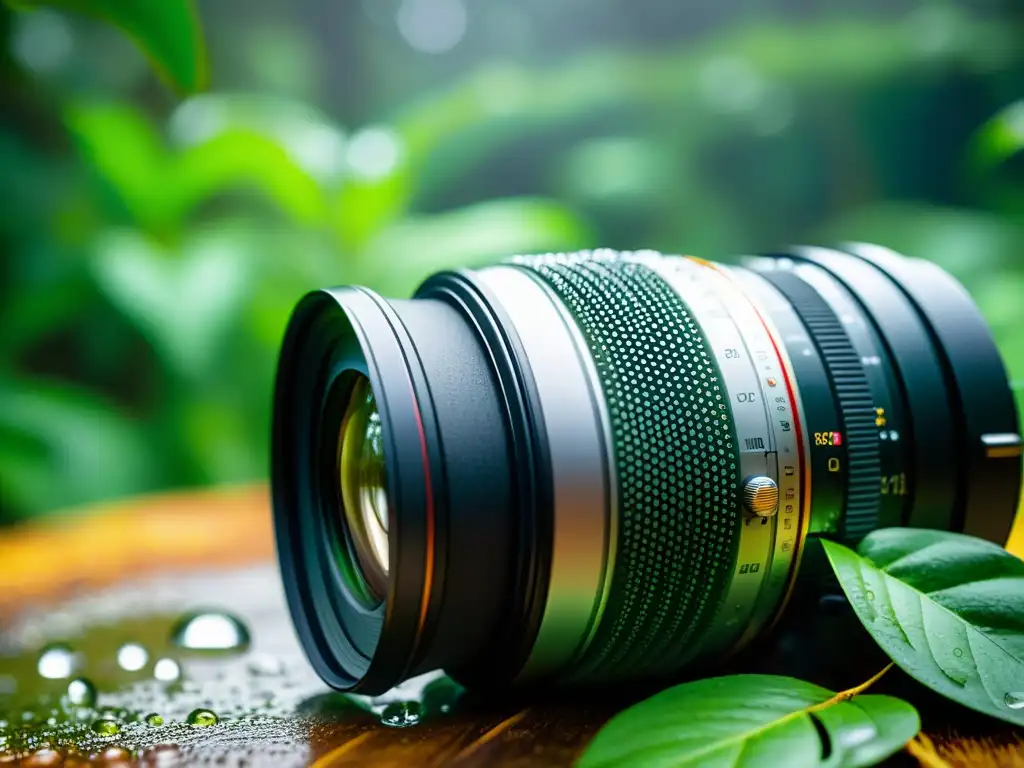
[
  {"x": 202, "y": 717},
  {"x": 81, "y": 692},
  {"x": 1014, "y": 700},
  {"x": 264, "y": 665},
  {"x": 869, "y": 595},
  {"x": 210, "y": 632},
  {"x": 166, "y": 670},
  {"x": 56, "y": 662},
  {"x": 401, "y": 714},
  {"x": 105, "y": 727},
  {"x": 154, "y": 719},
  {"x": 132, "y": 657},
  {"x": 958, "y": 652}
]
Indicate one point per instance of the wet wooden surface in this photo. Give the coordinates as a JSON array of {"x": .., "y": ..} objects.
[{"x": 168, "y": 551}]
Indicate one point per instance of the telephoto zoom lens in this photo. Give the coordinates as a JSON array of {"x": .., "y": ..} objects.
[{"x": 598, "y": 467}]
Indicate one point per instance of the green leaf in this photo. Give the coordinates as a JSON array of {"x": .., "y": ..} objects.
[
  {"x": 754, "y": 720},
  {"x": 402, "y": 255},
  {"x": 311, "y": 140},
  {"x": 250, "y": 159},
  {"x": 167, "y": 31},
  {"x": 124, "y": 151},
  {"x": 947, "y": 608},
  {"x": 184, "y": 301},
  {"x": 1000, "y": 138},
  {"x": 159, "y": 188},
  {"x": 364, "y": 207},
  {"x": 52, "y": 431}
]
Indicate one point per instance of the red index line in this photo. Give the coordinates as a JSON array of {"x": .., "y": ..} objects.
[
  {"x": 804, "y": 467},
  {"x": 428, "y": 578}
]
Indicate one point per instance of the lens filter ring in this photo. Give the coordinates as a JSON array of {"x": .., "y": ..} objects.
[{"x": 352, "y": 644}]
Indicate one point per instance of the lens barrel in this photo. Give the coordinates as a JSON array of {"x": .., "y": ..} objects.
[{"x": 608, "y": 466}]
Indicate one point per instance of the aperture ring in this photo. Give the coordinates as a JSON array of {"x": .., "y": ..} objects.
[{"x": 859, "y": 434}]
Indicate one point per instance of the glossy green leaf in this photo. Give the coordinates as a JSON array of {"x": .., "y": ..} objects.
[
  {"x": 753, "y": 720},
  {"x": 168, "y": 31},
  {"x": 947, "y": 608}
]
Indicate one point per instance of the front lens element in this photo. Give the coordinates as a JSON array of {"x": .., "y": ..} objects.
[{"x": 363, "y": 481}]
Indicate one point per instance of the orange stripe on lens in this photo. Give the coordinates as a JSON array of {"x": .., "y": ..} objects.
[{"x": 428, "y": 576}]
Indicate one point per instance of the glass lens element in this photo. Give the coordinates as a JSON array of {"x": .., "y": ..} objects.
[{"x": 363, "y": 480}]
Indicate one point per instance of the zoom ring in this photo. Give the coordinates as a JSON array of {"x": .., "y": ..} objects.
[{"x": 856, "y": 403}]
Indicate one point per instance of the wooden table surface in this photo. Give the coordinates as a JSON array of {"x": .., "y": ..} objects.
[{"x": 216, "y": 548}]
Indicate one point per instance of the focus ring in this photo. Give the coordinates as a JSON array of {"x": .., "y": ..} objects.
[
  {"x": 675, "y": 458},
  {"x": 856, "y": 403}
]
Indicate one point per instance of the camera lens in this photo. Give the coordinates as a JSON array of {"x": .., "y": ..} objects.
[
  {"x": 609, "y": 466},
  {"x": 362, "y": 475}
]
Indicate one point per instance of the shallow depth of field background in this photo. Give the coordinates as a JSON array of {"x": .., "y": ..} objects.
[{"x": 151, "y": 247}]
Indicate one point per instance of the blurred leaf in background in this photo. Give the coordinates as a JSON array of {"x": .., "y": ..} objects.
[
  {"x": 168, "y": 31},
  {"x": 154, "y": 244}
]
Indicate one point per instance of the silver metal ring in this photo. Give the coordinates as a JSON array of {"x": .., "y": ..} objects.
[{"x": 578, "y": 437}]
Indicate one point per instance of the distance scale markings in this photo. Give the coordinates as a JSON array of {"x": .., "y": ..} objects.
[
  {"x": 759, "y": 400},
  {"x": 785, "y": 419}
]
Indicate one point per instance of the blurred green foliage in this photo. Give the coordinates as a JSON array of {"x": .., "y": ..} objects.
[
  {"x": 153, "y": 245},
  {"x": 167, "y": 31}
]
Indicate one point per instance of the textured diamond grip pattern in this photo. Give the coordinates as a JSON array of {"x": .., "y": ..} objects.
[
  {"x": 856, "y": 404},
  {"x": 676, "y": 461}
]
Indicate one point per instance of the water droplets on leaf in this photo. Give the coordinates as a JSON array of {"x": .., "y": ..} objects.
[
  {"x": 106, "y": 727},
  {"x": 202, "y": 718},
  {"x": 211, "y": 631},
  {"x": 401, "y": 714},
  {"x": 1014, "y": 700},
  {"x": 925, "y": 629},
  {"x": 154, "y": 719}
]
